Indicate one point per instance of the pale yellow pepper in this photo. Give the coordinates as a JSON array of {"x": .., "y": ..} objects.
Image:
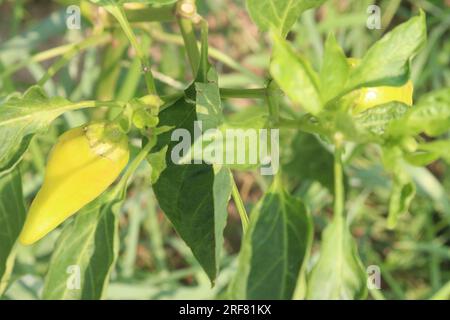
[
  {"x": 367, "y": 98},
  {"x": 84, "y": 162}
]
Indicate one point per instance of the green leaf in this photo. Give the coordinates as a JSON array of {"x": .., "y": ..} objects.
[
  {"x": 88, "y": 248},
  {"x": 295, "y": 76},
  {"x": 422, "y": 159},
  {"x": 12, "y": 218},
  {"x": 157, "y": 161},
  {"x": 310, "y": 161},
  {"x": 186, "y": 193},
  {"x": 208, "y": 103},
  {"x": 236, "y": 136},
  {"x": 339, "y": 273},
  {"x": 387, "y": 61},
  {"x": 275, "y": 248},
  {"x": 279, "y": 14},
  {"x": 335, "y": 69},
  {"x": 440, "y": 148},
  {"x": 403, "y": 189},
  {"x": 21, "y": 117},
  {"x": 402, "y": 194},
  {"x": 221, "y": 195},
  {"x": 431, "y": 114},
  {"x": 377, "y": 119},
  {"x": 202, "y": 191}
]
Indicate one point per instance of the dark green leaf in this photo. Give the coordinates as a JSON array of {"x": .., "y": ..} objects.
[
  {"x": 187, "y": 193},
  {"x": 12, "y": 217},
  {"x": 310, "y": 161},
  {"x": 275, "y": 248}
]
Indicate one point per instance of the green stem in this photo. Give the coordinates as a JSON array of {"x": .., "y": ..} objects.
[
  {"x": 161, "y": 14},
  {"x": 190, "y": 42},
  {"x": 229, "y": 93},
  {"x": 111, "y": 67},
  {"x": 155, "y": 235},
  {"x": 57, "y": 51},
  {"x": 119, "y": 14},
  {"x": 338, "y": 182},
  {"x": 131, "y": 82},
  {"x": 434, "y": 261},
  {"x": 272, "y": 99},
  {"x": 67, "y": 56},
  {"x": 203, "y": 68},
  {"x": 303, "y": 124},
  {"x": 240, "y": 207},
  {"x": 121, "y": 186},
  {"x": 213, "y": 52}
]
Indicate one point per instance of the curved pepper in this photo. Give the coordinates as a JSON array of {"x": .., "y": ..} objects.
[{"x": 84, "y": 162}]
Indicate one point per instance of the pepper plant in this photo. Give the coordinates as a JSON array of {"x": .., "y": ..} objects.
[{"x": 333, "y": 109}]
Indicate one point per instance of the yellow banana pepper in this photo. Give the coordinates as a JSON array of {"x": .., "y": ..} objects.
[{"x": 84, "y": 162}]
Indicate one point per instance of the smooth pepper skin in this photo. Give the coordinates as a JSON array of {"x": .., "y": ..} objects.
[
  {"x": 84, "y": 162},
  {"x": 367, "y": 98}
]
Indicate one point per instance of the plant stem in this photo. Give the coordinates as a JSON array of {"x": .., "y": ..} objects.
[
  {"x": 227, "y": 93},
  {"x": 161, "y": 14},
  {"x": 303, "y": 124},
  {"x": 240, "y": 207},
  {"x": 119, "y": 14},
  {"x": 213, "y": 52},
  {"x": 338, "y": 180},
  {"x": 121, "y": 186},
  {"x": 153, "y": 227},
  {"x": 202, "y": 73},
  {"x": 67, "y": 56},
  {"x": 95, "y": 40},
  {"x": 435, "y": 261},
  {"x": 272, "y": 99},
  {"x": 190, "y": 42}
]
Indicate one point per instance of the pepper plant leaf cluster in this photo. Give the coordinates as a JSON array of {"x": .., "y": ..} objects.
[{"x": 325, "y": 113}]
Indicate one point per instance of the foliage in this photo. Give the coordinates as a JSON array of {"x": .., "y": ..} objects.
[{"x": 353, "y": 189}]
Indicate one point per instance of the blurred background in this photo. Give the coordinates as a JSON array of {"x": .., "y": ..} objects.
[{"x": 154, "y": 263}]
